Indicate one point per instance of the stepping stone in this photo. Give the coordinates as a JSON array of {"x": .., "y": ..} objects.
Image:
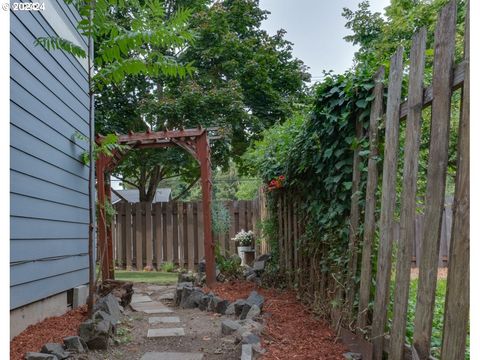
[
  {"x": 155, "y": 288},
  {"x": 152, "y": 307},
  {"x": 167, "y": 296},
  {"x": 164, "y": 319},
  {"x": 140, "y": 299},
  {"x": 171, "y": 356},
  {"x": 164, "y": 332}
]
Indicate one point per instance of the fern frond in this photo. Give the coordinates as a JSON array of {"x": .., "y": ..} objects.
[{"x": 56, "y": 43}]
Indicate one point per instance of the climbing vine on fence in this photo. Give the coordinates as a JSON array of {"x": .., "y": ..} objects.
[{"x": 316, "y": 157}]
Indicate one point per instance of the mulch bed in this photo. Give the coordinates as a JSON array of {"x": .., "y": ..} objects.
[
  {"x": 291, "y": 331},
  {"x": 52, "y": 329}
]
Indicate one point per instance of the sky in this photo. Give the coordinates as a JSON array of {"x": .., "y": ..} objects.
[{"x": 316, "y": 28}]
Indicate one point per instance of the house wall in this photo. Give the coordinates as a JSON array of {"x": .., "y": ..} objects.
[{"x": 49, "y": 183}]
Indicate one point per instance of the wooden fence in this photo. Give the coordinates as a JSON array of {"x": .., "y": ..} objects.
[
  {"x": 371, "y": 322},
  {"x": 172, "y": 232}
]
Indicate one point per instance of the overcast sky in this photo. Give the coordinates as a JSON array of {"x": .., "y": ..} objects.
[{"x": 316, "y": 28}]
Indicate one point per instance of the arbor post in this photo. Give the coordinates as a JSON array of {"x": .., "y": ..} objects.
[{"x": 205, "y": 170}]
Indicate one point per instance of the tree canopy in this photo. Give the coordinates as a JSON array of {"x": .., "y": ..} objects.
[{"x": 244, "y": 81}]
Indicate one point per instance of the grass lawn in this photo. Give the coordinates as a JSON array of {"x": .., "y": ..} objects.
[{"x": 153, "y": 277}]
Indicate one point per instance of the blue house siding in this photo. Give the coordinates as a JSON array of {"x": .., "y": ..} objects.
[{"x": 49, "y": 183}]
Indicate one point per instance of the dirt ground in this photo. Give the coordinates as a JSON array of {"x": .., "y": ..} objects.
[{"x": 202, "y": 333}]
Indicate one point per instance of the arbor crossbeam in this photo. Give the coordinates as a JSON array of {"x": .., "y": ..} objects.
[{"x": 194, "y": 141}]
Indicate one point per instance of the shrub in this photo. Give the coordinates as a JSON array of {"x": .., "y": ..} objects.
[{"x": 167, "y": 267}]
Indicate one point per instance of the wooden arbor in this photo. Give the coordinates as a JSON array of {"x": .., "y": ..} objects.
[{"x": 195, "y": 142}]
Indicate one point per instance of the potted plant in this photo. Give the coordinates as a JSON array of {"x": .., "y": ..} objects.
[{"x": 244, "y": 240}]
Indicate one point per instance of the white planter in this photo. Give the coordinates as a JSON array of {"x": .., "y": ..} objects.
[{"x": 241, "y": 252}]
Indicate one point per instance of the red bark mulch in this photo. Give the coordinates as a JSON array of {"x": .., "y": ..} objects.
[
  {"x": 291, "y": 332},
  {"x": 52, "y": 329}
]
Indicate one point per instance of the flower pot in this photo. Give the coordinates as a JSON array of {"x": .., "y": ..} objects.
[{"x": 241, "y": 252}]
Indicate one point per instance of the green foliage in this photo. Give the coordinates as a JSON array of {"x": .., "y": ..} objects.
[
  {"x": 220, "y": 218},
  {"x": 56, "y": 43},
  {"x": 229, "y": 266},
  {"x": 108, "y": 145},
  {"x": 438, "y": 313},
  {"x": 268, "y": 156},
  {"x": 167, "y": 267}
]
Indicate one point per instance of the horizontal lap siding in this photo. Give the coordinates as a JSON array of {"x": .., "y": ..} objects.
[{"x": 49, "y": 183}]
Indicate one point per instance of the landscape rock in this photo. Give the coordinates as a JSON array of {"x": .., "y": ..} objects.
[
  {"x": 192, "y": 301},
  {"x": 230, "y": 309},
  {"x": 259, "y": 266},
  {"x": 250, "y": 338},
  {"x": 250, "y": 325},
  {"x": 55, "y": 349},
  {"x": 96, "y": 333},
  {"x": 75, "y": 344},
  {"x": 247, "y": 271},
  {"x": 221, "y": 277},
  {"x": 204, "y": 301},
  {"x": 238, "y": 306},
  {"x": 186, "y": 277},
  {"x": 255, "y": 299},
  {"x": 352, "y": 356},
  {"x": 253, "y": 312},
  {"x": 217, "y": 305},
  {"x": 109, "y": 304},
  {"x": 251, "y": 277},
  {"x": 179, "y": 291},
  {"x": 122, "y": 290},
  {"x": 247, "y": 352},
  {"x": 264, "y": 257},
  {"x": 39, "y": 356},
  {"x": 229, "y": 326}
]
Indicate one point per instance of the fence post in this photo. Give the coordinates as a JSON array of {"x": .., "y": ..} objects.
[
  {"x": 409, "y": 191},
  {"x": 148, "y": 235},
  {"x": 457, "y": 299},
  {"x": 437, "y": 171},
  {"x": 388, "y": 203},
  {"x": 376, "y": 113},
  {"x": 138, "y": 237}
]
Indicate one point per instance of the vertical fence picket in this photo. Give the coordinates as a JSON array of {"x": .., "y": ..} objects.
[
  {"x": 128, "y": 236},
  {"x": 168, "y": 246},
  {"x": 280, "y": 230},
  {"x": 148, "y": 235},
  {"x": 157, "y": 221},
  {"x": 119, "y": 235},
  {"x": 191, "y": 237},
  {"x": 409, "y": 190},
  {"x": 201, "y": 245},
  {"x": 138, "y": 237},
  {"x": 388, "y": 203},
  {"x": 436, "y": 176},
  {"x": 458, "y": 292},
  {"x": 370, "y": 201},
  {"x": 181, "y": 244}
]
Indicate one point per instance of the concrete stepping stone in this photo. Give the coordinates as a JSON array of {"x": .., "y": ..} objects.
[
  {"x": 171, "y": 356},
  {"x": 167, "y": 296},
  {"x": 165, "y": 332},
  {"x": 140, "y": 299},
  {"x": 152, "y": 307},
  {"x": 163, "y": 319}
]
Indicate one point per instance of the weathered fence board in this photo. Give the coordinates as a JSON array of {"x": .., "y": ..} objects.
[
  {"x": 436, "y": 180},
  {"x": 409, "y": 191},
  {"x": 370, "y": 201},
  {"x": 172, "y": 232},
  {"x": 388, "y": 203},
  {"x": 457, "y": 299}
]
